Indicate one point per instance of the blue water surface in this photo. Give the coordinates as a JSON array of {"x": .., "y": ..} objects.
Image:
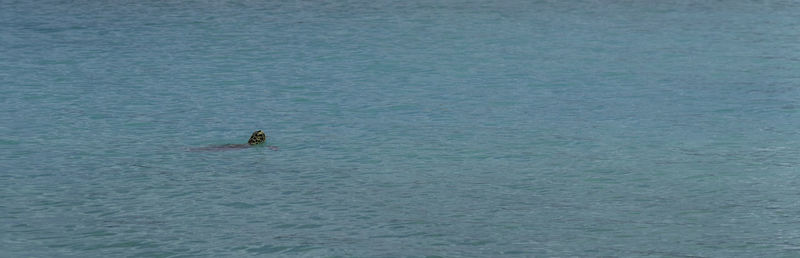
[{"x": 454, "y": 128}]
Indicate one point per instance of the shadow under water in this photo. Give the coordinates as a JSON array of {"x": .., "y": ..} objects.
[{"x": 228, "y": 147}]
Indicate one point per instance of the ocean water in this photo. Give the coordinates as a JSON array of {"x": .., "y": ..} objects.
[{"x": 452, "y": 128}]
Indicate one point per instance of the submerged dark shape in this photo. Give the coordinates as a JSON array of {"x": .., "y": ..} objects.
[{"x": 257, "y": 138}]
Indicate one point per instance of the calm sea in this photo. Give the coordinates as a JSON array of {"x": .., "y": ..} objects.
[{"x": 406, "y": 128}]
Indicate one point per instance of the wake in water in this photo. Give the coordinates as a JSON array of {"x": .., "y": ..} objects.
[{"x": 256, "y": 139}]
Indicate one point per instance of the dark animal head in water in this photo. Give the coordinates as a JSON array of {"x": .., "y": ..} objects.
[{"x": 257, "y": 137}]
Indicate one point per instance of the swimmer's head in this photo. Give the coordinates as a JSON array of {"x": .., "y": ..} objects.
[{"x": 257, "y": 137}]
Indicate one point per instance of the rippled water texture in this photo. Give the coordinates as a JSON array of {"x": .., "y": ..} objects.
[{"x": 406, "y": 128}]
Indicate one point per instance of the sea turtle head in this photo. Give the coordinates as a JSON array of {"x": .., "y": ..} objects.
[{"x": 257, "y": 137}]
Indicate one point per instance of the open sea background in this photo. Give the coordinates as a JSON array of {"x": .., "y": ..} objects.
[{"x": 452, "y": 128}]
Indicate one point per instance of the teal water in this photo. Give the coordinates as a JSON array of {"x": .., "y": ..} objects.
[{"x": 406, "y": 128}]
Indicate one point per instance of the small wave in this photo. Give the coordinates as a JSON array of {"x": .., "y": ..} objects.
[{"x": 8, "y": 142}]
